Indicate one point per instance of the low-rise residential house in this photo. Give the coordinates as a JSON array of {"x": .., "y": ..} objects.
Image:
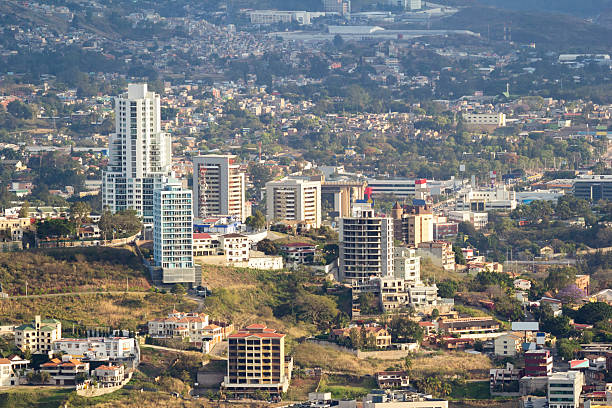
[
  {"x": 236, "y": 247},
  {"x": 555, "y": 304},
  {"x": 65, "y": 371},
  {"x": 38, "y": 336},
  {"x": 583, "y": 282},
  {"x": 11, "y": 370},
  {"x": 602, "y": 296},
  {"x": 379, "y": 334},
  {"x": 15, "y": 227},
  {"x": 469, "y": 325},
  {"x": 392, "y": 379},
  {"x": 177, "y": 324},
  {"x": 508, "y": 344},
  {"x": 453, "y": 343},
  {"x": 205, "y": 244},
  {"x": 504, "y": 381},
  {"x": 98, "y": 348},
  {"x": 299, "y": 252},
  {"x": 110, "y": 374},
  {"x": 522, "y": 284},
  {"x": 538, "y": 363},
  {"x": 259, "y": 260},
  {"x": 89, "y": 231}
]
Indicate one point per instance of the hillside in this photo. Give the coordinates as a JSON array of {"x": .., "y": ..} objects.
[
  {"x": 71, "y": 270},
  {"x": 585, "y": 8},
  {"x": 555, "y": 31}
]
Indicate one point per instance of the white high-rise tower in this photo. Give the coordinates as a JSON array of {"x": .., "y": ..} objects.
[
  {"x": 139, "y": 154},
  {"x": 173, "y": 232}
]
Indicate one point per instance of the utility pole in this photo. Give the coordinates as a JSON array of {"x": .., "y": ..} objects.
[{"x": 26, "y": 288}]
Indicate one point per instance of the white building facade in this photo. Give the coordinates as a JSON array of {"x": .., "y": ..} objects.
[
  {"x": 139, "y": 154},
  {"x": 294, "y": 200},
  {"x": 173, "y": 233}
]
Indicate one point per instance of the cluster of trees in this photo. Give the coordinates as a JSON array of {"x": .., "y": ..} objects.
[{"x": 123, "y": 223}]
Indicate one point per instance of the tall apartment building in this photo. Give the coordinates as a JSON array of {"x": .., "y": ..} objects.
[
  {"x": 218, "y": 187},
  {"x": 173, "y": 232},
  {"x": 414, "y": 225},
  {"x": 139, "y": 154},
  {"x": 366, "y": 245},
  {"x": 38, "y": 336},
  {"x": 256, "y": 362},
  {"x": 564, "y": 389},
  {"x": 294, "y": 200}
]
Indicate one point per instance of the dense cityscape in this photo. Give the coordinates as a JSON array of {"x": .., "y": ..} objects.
[{"x": 317, "y": 203}]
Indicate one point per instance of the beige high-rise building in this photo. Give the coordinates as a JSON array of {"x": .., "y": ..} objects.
[
  {"x": 414, "y": 225},
  {"x": 366, "y": 245},
  {"x": 218, "y": 187},
  {"x": 256, "y": 362},
  {"x": 294, "y": 200}
]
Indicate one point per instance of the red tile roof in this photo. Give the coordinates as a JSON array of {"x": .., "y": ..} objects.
[
  {"x": 201, "y": 235},
  {"x": 241, "y": 335}
]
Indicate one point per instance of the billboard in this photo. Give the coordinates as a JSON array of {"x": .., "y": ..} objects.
[
  {"x": 578, "y": 364},
  {"x": 525, "y": 326}
]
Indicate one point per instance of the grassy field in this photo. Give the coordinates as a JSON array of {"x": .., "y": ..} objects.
[
  {"x": 473, "y": 366},
  {"x": 40, "y": 397},
  {"x": 71, "y": 270},
  {"x": 471, "y": 390},
  {"x": 347, "y": 386},
  {"x": 245, "y": 296},
  {"x": 309, "y": 355},
  {"x": 300, "y": 387},
  {"x": 126, "y": 311}
]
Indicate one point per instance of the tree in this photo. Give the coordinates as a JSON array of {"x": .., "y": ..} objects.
[
  {"x": 320, "y": 310},
  {"x": 405, "y": 330},
  {"x": 447, "y": 288},
  {"x": 24, "y": 211},
  {"x": 256, "y": 221},
  {"x": 559, "y": 278},
  {"x": 178, "y": 289},
  {"x": 568, "y": 348},
  {"x": 592, "y": 313},
  {"x": 267, "y": 247},
  {"x": 571, "y": 294},
  {"x": 79, "y": 211},
  {"x": 19, "y": 110},
  {"x": 55, "y": 228},
  {"x": 338, "y": 41},
  {"x": 459, "y": 257}
]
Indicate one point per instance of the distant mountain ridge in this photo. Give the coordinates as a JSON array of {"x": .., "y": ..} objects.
[{"x": 582, "y": 8}]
